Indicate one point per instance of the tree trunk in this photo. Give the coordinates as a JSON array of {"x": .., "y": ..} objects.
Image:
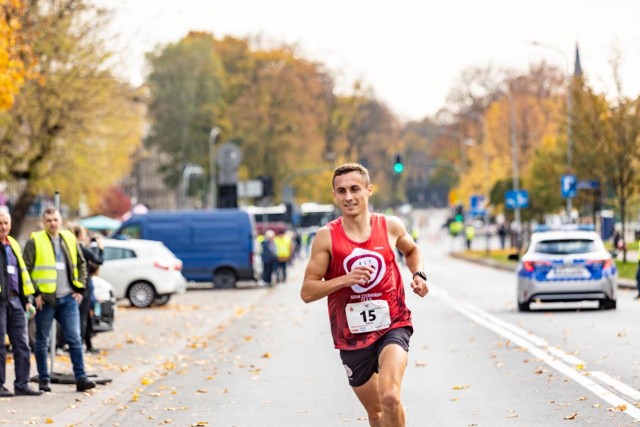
[{"x": 20, "y": 210}]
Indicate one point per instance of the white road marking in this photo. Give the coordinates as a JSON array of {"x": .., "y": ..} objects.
[
  {"x": 618, "y": 385},
  {"x": 555, "y": 358}
]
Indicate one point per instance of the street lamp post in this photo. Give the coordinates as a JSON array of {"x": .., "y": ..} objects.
[
  {"x": 569, "y": 112},
  {"x": 213, "y": 137}
]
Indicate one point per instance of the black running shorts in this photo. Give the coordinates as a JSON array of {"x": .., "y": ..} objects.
[{"x": 362, "y": 364}]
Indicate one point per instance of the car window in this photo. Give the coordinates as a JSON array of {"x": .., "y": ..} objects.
[
  {"x": 117, "y": 253},
  {"x": 132, "y": 231},
  {"x": 566, "y": 246}
]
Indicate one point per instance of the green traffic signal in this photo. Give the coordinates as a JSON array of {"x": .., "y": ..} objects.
[{"x": 398, "y": 165}]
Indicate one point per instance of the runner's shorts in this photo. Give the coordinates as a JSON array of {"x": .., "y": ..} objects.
[{"x": 362, "y": 364}]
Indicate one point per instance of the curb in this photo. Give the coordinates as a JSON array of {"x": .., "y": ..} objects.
[{"x": 622, "y": 282}]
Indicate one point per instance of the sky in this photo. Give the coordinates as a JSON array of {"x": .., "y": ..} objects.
[{"x": 411, "y": 52}]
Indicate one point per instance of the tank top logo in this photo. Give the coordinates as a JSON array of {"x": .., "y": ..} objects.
[{"x": 360, "y": 257}]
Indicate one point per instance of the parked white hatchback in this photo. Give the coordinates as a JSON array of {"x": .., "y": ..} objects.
[{"x": 144, "y": 271}]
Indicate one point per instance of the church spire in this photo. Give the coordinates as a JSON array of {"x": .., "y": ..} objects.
[{"x": 577, "y": 69}]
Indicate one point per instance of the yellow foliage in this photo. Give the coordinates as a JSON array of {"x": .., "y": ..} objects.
[{"x": 13, "y": 52}]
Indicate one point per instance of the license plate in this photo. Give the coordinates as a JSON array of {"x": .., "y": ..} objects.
[{"x": 569, "y": 271}]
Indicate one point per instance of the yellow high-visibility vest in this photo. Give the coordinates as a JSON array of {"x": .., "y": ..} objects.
[
  {"x": 44, "y": 272},
  {"x": 283, "y": 246},
  {"x": 27, "y": 286}
]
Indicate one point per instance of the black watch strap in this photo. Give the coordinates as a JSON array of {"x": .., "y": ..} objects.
[{"x": 422, "y": 274}]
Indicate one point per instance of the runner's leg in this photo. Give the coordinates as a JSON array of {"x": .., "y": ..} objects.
[
  {"x": 392, "y": 362},
  {"x": 369, "y": 396}
]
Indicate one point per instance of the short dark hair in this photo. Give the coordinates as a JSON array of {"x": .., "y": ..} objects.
[
  {"x": 348, "y": 168},
  {"x": 50, "y": 211}
]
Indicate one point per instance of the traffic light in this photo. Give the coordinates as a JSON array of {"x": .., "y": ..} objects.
[{"x": 398, "y": 164}]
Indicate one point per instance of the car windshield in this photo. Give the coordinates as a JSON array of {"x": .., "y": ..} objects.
[{"x": 565, "y": 247}]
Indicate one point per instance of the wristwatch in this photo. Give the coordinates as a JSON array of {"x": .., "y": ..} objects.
[{"x": 422, "y": 274}]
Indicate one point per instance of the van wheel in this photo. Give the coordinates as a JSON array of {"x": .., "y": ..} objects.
[
  {"x": 162, "y": 299},
  {"x": 524, "y": 306},
  {"x": 224, "y": 279},
  {"x": 141, "y": 294}
]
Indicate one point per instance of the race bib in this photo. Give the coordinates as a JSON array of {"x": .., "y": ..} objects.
[
  {"x": 11, "y": 269},
  {"x": 368, "y": 316}
]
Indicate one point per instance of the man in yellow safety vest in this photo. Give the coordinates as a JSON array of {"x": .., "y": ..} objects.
[
  {"x": 15, "y": 290},
  {"x": 59, "y": 273}
]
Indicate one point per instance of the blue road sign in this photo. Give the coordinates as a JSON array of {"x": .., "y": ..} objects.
[
  {"x": 516, "y": 199},
  {"x": 588, "y": 184},
  {"x": 568, "y": 186}
]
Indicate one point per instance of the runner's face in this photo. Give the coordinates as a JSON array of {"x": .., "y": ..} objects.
[{"x": 351, "y": 193}]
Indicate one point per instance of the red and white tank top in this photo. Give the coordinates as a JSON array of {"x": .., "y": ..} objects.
[{"x": 361, "y": 314}]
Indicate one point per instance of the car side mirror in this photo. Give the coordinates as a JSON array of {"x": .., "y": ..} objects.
[{"x": 513, "y": 257}]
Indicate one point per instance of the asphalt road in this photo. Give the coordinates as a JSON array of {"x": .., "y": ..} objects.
[{"x": 261, "y": 357}]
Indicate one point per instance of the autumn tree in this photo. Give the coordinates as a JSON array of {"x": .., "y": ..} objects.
[
  {"x": 279, "y": 116},
  {"x": 75, "y": 127},
  {"x": 186, "y": 85},
  {"x": 16, "y": 56}
]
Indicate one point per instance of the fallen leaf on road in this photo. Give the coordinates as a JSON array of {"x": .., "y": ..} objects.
[
  {"x": 580, "y": 367},
  {"x": 266, "y": 356},
  {"x": 48, "y": 421},
  {"x": 571, "y": 417},
  {"x": 582, "y": 398},
  {"x": 595, "y": 405},
  {"x": 420, "y": 363},
  {"x": 248, "y": 338},
  {"x": 135, "y": 397},
  {"x": 168, "y": 421},
  {"x": 202, "y": 391},
  {"x": 145, "y": 381},
  {"x": 460, "y": 387},
  {"x": 622, "y": 407},
  {"x": 200, "y": 424}
]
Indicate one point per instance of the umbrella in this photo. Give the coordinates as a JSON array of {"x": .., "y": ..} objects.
[{"x": 100, "y": 222}]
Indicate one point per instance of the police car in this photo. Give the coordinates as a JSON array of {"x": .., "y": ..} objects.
[{"x": 568, "y": 264}]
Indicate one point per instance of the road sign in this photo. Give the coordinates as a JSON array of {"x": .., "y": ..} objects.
[
  {"x": 588, "y": 184},
  {"x": 516, "y": 199},
  {"x": 568, "y": 186}
]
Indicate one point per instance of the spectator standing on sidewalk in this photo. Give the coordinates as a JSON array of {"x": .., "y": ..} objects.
[
  {"x": 92, "y": 250},
  {"x": 58, "y": 270},
  {"x": 15, "y": 290}
]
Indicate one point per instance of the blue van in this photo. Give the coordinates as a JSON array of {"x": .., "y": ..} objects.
[{"x": 214, "y": 245}]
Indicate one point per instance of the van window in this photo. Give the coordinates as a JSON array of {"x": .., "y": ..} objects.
[
  {"x": 132, "y": 231},
  {"x": 110, "y": 253}
]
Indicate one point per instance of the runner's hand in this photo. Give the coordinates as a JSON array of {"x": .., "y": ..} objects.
[
  {"x": 419, "y": 286},
  {"x": 360, "y": 275}
]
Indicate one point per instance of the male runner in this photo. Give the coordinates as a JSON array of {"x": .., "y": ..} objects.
[{"x": 353, "y": 264}]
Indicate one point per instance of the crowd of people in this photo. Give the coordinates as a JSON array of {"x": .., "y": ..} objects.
[{"x": 49, "y": 279}]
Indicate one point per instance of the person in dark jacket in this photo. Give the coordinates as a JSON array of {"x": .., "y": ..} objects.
[
  {"x": 15, "y": 290},
  {"x": 269, "y": 257},
  {"x": 92, "y": 251}
]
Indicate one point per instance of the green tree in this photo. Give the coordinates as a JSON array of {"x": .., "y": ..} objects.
[
  {"x": 74, "y": 120},
  {"x": 187, "y": 84}
]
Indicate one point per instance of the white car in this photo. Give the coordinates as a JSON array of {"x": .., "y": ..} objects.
[
  {"x": 144, "y": 271},
  {"x": 570, "y": 264}
]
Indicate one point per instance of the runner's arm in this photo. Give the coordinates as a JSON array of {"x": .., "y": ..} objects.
[
  {"x": 411, "y": 252},
  {"x": 314, "y": 287}
]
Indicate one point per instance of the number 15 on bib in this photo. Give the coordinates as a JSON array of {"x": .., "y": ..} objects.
[{"x": 368, "y": 316}]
